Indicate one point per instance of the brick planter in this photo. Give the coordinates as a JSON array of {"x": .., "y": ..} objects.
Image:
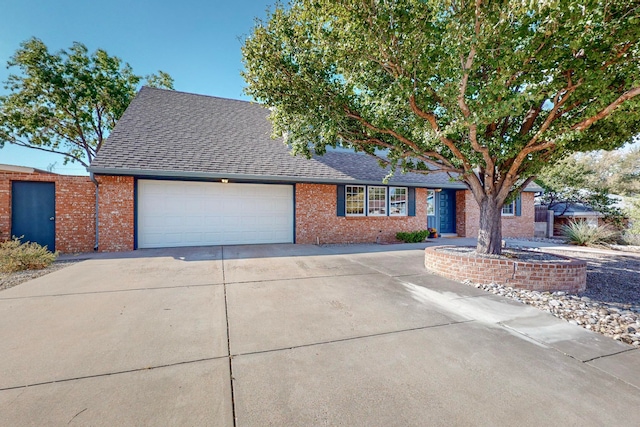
[{"x": 568, "y": 276}]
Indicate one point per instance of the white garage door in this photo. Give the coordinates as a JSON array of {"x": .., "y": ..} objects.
[{"x": 180, "y": 213}]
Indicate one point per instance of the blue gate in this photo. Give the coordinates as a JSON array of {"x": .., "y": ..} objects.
[{"x": 33, "y": 209}]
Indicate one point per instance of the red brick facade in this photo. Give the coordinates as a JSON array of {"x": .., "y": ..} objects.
[
  {"x": 570, "y": 276},
  {"x": 116, "y": 213},
  {"x": 75, "y": 207},
  {"x": 315, "y": 206},
  {"x": 317, "y": 219},
  {"x": 468, "y": 217}
]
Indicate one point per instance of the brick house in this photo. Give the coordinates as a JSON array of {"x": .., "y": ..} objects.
[{"x": 182, "y": 169}]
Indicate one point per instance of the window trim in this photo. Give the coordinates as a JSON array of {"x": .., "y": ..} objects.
[
  {"x": 406, "y": 201},
  {"x": 386, "y": 200},
  {"x": 346, "y": 193},
  {"x": 513, "y": 209}
]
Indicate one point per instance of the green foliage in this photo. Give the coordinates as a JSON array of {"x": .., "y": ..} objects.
[
  {"x": 634, "y": 217},
  {"x": 590, "y": 179},
  {"x": 487, "y": 91},
  {"x": 67, "y": 102},
  {"x": 17, "y": 256},
  {"x": 581, "y": 233},
  {"x": 412, "y": 236},
  {"x": 630, "y": 238}
]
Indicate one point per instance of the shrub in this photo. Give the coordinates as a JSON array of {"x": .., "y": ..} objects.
[
  {"x": 629, "y": 238},
  {"x": 18, "y": 256},
  {"x": 582, "y": 233},
  {"x": 412, "y": 236}
]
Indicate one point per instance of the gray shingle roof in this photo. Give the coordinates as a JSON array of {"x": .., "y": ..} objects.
[{"x": 167, "y": 133}]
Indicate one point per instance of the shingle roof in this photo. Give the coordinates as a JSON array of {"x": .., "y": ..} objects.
[
  {"x": 573, "y": 209},
  {"x": 167, "y": 133}
]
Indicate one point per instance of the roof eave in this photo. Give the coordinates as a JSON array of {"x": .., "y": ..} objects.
[{"x": 267, "y": 178}]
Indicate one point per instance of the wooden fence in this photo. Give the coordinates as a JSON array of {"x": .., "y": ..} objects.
[{"x": 541, "y": 214}]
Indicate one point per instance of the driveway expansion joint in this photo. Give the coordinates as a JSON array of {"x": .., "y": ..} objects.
[
  {"x": 226, "y": 316},
  {"x": 289, "y": 279},
  {"x": 419, "y": 328},
  {"x": 111, "y": 291},
  {"x": 604, "y": 356},
  {"x": 108, "y": 374}
]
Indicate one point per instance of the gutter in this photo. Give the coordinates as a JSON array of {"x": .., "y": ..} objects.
[{"x": 93, "y": 179}]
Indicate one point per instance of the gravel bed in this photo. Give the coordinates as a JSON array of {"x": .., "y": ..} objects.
[
  {"x": 9, "y": 280},
  {"x": 513, "y": 254},
  {"x": 610, "y": 305}
]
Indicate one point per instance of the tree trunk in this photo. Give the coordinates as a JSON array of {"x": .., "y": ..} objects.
[{"x": 490, "y": 233}]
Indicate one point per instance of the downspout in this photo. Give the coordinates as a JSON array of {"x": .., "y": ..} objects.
[{"x": 93, "y": 179}]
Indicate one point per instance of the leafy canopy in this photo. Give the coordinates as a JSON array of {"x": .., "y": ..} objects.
[
  {"x": 67, "y": 102},
  {"x": 591, "y": 178},
  {"x": 489, "y": 91}
]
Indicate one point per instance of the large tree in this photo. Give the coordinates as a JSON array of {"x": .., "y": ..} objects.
[
  {"x": 67, "y": 102},
  {"x": 487, "y": 91}
]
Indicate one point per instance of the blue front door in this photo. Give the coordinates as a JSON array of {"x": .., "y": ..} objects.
[
  {"x": 447, "y": 208},
  {"x": 33, "y": 210}
]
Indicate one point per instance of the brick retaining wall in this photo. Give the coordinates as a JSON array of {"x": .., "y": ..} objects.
[{"x": 563, "y": 276}]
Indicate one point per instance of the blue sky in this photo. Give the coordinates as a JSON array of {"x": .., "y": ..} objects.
[{"x": 197, "y": 42}]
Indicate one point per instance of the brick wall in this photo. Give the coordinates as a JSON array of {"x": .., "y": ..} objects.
[
  {"x": 115, "y": 217},
  {"x": 468, "y": 217},
  {"x": 75, "y": 204},
  {"x": 569, "y": 276},
  {"x": 316, "y": 218}
]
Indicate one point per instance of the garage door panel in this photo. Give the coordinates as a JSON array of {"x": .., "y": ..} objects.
[{"x": 180, "y": 213}]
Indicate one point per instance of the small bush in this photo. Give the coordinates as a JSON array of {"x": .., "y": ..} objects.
[
  {"x": 18, "y": 256},
  {"x": 412, "y": 236},
  {"x": 629, "y": 238},
  {"x": 582, "y": 233}
]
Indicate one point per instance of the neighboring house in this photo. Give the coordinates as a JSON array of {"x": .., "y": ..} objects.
[
  {"x": 182, "y": 170},
  {"x": 565, "y": 213}
]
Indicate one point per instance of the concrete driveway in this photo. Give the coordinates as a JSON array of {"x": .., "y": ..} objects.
[{"x": 295, "y": 335}]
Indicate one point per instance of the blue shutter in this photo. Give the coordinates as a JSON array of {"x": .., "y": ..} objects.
[
  {"x": 340, "y": 202},
  {"x": 519, "y": 205},
  {"x": 412, "y": 201}
]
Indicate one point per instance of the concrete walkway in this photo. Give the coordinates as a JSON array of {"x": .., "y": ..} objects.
[{"x": 295, "y": 335}]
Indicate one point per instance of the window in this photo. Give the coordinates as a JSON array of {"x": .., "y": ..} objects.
[
  {"x": 508, "y": 209},
  {"x": 431, "y": 202},
  {"x": 398, "y": 201},
  {"x": 354, "y": 200},
  {"x": 377, "y": 201}
]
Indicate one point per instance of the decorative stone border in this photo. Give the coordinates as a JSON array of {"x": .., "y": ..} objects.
[{"x": 565, "y": 276}]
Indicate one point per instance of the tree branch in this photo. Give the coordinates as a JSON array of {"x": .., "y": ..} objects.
[
  {"x": 607, "y": 110},
  {"x": 424, "y": 157},
  {"x": 27, "y": 145}
]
